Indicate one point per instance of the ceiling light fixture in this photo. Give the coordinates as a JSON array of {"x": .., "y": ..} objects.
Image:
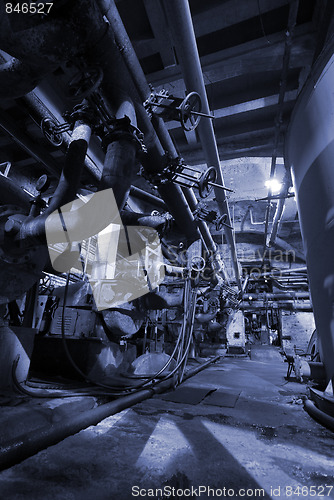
[{"x": 274, "y": 186}]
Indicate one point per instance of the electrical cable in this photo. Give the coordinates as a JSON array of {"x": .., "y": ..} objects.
[{"x": 124, "y": 389}]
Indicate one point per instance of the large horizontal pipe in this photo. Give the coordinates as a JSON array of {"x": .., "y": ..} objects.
[
  {"x": 277, "y": 304},
  {"x": 276, "y": 296},
  {"x": 17, "y": 450}
]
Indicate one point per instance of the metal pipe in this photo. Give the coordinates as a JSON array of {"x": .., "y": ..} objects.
[
  {"x": 157, "y": 138},
  {"x": 33, "y": 231},
  {"x": 180, "y": 22},
  {"x": 293, "y": 11},
  {"x": 18, "y": 449},
  {"x": 276, "y": 296},
  {"x": 280, "y": 207},
  {"x": 38, "y": 111},
  {"x": 204, "y": 230},
  {"x": 147, "y": 197},
  {"x": 18, "y": 78},
  {"x": 319, "y": 415},
  {"x": 118, "y": 171}
]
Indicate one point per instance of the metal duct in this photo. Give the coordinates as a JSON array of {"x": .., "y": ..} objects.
[{"x": 180, "y": 23}]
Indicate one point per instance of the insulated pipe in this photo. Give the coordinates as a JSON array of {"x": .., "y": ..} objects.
[
  {"x": 180, "y": 23},
  {"x": 33, "y": 230},
  {"x": 17, "y": 450},
  {"x": 310, "y": 152},
  {"x": 157, "y": 138},
  {"x": 18, "y": 78},
  {"x": 38, "y": 111},
  {"x": 118, "y": 170}
]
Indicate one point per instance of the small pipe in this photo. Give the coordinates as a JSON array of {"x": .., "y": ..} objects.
[
  {"x": 180, "y": 22},
  {"x": 292, "y": 19},
  {"x": 320, "y": 416},
  {"x": 18, "y": 449},
  {"x": 33, "y": 231},
  {"x": 147, "y": 197}
]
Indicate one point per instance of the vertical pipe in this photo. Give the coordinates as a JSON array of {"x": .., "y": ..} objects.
[
  {"x": 293, "y": 11},
  {"x": 180, "y": 22},
  {"x": 155, "y": 132}
]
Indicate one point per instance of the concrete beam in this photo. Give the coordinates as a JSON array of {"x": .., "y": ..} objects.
[
  {"x": 255, "y": 56},
  {"x": 243, "y": 107},
  {"x": 162, "y": 40}
]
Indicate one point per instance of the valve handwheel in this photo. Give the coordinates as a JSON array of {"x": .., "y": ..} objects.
[
  {"x": 221, "y": 222},
  {"x": 192, "y": 103},
  {"x": 204, "y": 187},
  {"x": 84, "y": 83},
  {"x": 49, "y": 129}
]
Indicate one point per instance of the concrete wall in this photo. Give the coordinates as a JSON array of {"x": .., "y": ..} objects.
[{"x": 299, "y": 326}]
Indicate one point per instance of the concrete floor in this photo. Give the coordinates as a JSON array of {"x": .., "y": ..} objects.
[{"x": 266, "y": 441}]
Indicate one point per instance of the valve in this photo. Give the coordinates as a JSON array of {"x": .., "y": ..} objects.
[
  {"x": 51, "y": 132},
  {"x": 187, "y": 111},
  {"x": 175, "y": 171},
  {"x": 85, "y": 82}
]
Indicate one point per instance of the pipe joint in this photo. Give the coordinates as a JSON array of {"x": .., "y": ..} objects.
[{"x": 122, "y": 130}]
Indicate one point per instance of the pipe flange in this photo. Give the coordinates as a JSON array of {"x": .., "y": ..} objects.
[
  {"x": 122, "y": 130},
  {"x": 85, "y": 82},
  {"x": 82, "y": 112}
]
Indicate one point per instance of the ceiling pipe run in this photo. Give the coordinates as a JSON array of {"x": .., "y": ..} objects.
[
  {"x": 155, "y": 132},
  {"x": 181, "y": 26}
]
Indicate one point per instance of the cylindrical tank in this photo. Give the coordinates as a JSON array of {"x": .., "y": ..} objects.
[{"x": 310, "y": 153}]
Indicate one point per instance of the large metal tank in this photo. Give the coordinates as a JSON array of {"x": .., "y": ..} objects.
[{"x": 310, "y": 152}]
